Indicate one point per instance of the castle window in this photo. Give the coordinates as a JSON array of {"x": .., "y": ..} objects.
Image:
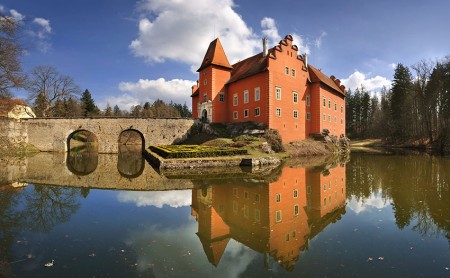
[
  {"x": 245, "y": 96},
  {"x": 278, "y": 216},
  {"x": 257, "y": 215},
  {"x": 308, "y": 100},
  {"x": 278, "y": 112},
  {"x": 257, "y": 93},
  {"x": 296, "y": 210},
  {"x": 335, "y": 106},
  {"x": 286, "y": 70},
  {"x": 246, "y": 211},
  {"x": 256, "y": 112},
  {"x": 324, "y": 101},
  {"x": 235, "y": 192},
  {"x": 235, "y": 206},
  {"x": 235, "y": 115},
  {"x": 287, "y": 236},
  {"x": 205, "y": 81},
  {"x": 257, "y": 198},
  {"x": 221, "y": 97},
  {"x": 295, "y": 114},
  {"x": 324, "y": 117},
  {"x": 204, "y": 98},
  {"x": 246, "y": 113},
  {"x": 329, "y": 103},
  {"x": 295, "y": 97},
  {"x": 335, "y": 120},
  {"x": 235, "y": 100},
  {"x": 342, "y": 109},
  {"x": 204, "y": 72},
  {"x": 329, "y": 118},
  {"x": 295, "y": 193},
  {"x": 293, "y": 72},
  {"x": 278, "y": 93},
  {"x": 278, "y": 198}
]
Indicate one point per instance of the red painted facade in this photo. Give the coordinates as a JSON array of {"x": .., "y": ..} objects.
[
  {"x": 276, "y": 87},
  {"x": 274, "y": 218}
]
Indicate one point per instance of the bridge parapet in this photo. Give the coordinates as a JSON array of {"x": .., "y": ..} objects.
[{"x": 52, "y": 134}]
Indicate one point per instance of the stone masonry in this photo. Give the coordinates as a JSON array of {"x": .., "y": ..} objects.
[{"x": 53, "y": 134}]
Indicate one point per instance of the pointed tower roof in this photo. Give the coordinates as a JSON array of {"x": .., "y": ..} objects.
[{"x": 215, "y": 55}]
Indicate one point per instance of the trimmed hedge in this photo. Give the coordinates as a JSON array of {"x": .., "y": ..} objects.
[{"x": 190, "y": 151}]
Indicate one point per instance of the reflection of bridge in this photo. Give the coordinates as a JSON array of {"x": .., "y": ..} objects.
[
  {"x": 103, "y": 172},
  {"x": 53, "y": 134}
]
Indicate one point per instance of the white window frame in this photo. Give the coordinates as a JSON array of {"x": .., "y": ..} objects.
[
  {"x": 278, "y": 112},
  {"x": 278, "y": 93},
  {"x": 308, "y": 100},
  {"x": 221, "y": 97},
  {"x": 278, "y": 216},
  {"x": 286, "y": 70},
  {"x": 235, "y": 100},
  {"x": 246, "y": 113},
  {"x": 295, "y": 97},
  {"x": 308, "y": 116},
  {"x": 296, "y": 210},
  {"x": 295, "y": 114},
  {"x": 257, "y": 94},
  {"x": 259, "y": 112},
  {"x": 278, "y": 198},
  {"x": 235, "y": 115},
  {"x": 246, "y": 96},
  {"x": 293, "y": 72},
  {"x": 324, "y": 102}
]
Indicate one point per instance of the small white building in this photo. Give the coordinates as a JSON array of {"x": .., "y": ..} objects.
[{"x": 16, "y": 109}]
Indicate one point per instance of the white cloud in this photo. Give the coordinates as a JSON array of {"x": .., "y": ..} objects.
[
  {"x": 393, "y": 65},
  {"x": 181, "y": 31},
  {"x": 373, "y": 201},
  {"x": 373, "y": 84},
  {"x": 176, "y": 90},
  {"x": 2, "y": 8},
  {"x": 318, "y": 41},
  {"x": 303, "y": 46},
  {"x": 16, "y": 15},
  {"x": 45, "y": 24},
  {"x": 179, "y": 198},
  {"x": 270, "y": 30}
]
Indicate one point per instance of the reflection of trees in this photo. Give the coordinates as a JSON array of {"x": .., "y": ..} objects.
[
  {"x": 418, "y": 186},
  {"x": 38, "y": 209},
  {"x": 82, "y": 161},
  {"x": 9, "y": 227},
  {"x": 47, "y": 206},
  {"x": 131, "y": 162}
]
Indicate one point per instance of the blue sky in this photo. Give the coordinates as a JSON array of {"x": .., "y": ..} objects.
[{"x": 128, "y": 52}]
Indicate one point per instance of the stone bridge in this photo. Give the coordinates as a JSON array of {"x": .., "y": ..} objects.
[{"x": 54, "y": 134}]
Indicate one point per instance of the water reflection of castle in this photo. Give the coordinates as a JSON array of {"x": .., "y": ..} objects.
[{"x": 274, "y": 218}]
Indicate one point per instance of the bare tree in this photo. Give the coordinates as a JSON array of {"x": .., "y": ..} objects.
[
  {"x": 11, "y": 75},
  {"x": 46, "y": 85}
]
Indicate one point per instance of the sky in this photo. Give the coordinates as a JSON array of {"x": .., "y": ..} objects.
[{"x": 127, "y": 52}]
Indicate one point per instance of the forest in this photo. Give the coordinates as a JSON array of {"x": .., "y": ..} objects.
[{"x": 415, "y": 110}]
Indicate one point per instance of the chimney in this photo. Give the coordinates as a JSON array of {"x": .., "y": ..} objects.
[
  {"x": 305, "y": 58},
  {"x": 265, "y": 50}
]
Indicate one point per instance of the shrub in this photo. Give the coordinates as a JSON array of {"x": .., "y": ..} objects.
[
  {"x": 245, "y": 138},
  {"x": 274, "y": 139},
  {"x": 190, "y": 151}
]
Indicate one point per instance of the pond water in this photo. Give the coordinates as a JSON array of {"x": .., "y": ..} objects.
[{"x": 98, "y": 216}]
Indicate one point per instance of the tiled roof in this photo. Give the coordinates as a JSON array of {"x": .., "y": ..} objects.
[
  {"x": 7, "y": 105},
  {"x": 318, "y": 76},
  {"x": 248, "y": 67},
  {"x": 196, "y": 93},
  {"x": 215, "y": 55}
]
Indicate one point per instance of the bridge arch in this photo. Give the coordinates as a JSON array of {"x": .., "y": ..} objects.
[
  {"x": 82, "y": 138},
  {"x": 131, "y": 137}
]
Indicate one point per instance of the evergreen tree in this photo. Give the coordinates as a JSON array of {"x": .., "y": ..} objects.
[
  {"x": 401, "y": 99},
  {"x": 59, "y": 110},
  {"x": 73, "y": 108},
  {"x": 88, "y": 104},
  {"x": 116, "y": 111},
  {"x": 108, "y": 111}
]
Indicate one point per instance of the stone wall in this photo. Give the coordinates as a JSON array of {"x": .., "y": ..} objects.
[{"x": 52, "y": 134}]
